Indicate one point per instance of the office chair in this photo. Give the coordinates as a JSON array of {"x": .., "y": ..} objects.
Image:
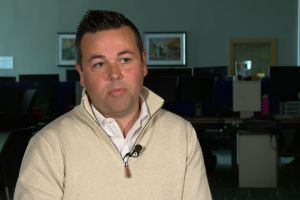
[
  {"x": 11, "y": 158},
  {"x": 27, "y": 100}
]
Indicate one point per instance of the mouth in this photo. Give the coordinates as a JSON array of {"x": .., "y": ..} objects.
[{"x": 117, "y": 91}]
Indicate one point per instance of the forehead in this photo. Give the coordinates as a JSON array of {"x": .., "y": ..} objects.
[
  {"x": 111, "y": 36},
  {"x": 109, "y": 43}
]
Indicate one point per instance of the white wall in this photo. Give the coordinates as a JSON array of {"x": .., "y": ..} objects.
[{"x": 28, "y": 29}]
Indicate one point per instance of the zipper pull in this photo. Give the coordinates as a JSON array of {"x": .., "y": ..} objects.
[{"x": 127, "y": 170}]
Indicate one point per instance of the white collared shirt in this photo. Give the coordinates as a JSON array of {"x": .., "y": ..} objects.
[{"x": 112, "y": 129}]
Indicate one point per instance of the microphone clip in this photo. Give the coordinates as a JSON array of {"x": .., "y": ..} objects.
[{"x": 135, "y": 152}]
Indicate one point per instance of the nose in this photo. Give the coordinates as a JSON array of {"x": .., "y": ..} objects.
[{"x": 115, "y": 72}]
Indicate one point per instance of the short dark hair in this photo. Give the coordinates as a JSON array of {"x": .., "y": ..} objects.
[{"x": 99, "y": 20}]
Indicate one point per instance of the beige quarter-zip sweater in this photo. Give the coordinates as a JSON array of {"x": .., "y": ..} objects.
[{"x": 73, "y": 159}]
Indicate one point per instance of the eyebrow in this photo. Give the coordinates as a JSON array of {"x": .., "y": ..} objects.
[
  {"x": 96, "y": 56},
  {"x": 102, "y": 57},
  {"x": 125, "y": 52}
]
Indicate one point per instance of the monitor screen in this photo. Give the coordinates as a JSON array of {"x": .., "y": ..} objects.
[
  {"x": 164, "y": 86},
  {"x": 72, "y": 75},
  {"x": 196, "y": 88},
  {"x": 7, "y": 79},
  {"x": 38, "y": 77},
  {"x": 221, "y": 72},
  {"x": 169, "y": 71},
  {"x": 284, "y": 82}
]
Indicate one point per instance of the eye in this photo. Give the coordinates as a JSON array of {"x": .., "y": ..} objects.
[
  {"x": 125, "y": 60},
  {"x": 98, "y": 65}
]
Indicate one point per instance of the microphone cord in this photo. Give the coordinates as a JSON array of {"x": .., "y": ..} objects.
[{"x": 135, "y": 153}]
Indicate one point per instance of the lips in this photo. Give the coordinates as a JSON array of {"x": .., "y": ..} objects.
[{"x": 117, "y": 91}]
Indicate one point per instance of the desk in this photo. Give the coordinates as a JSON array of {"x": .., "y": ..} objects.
[
  {"x": 235, "y": 124},
  {"x": 201, "y": 124},
  {"x": 293, "y": 122},
  {"x": 215, "y": 120}
]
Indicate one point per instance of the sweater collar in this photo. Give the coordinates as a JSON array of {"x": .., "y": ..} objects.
[{"x": 152, "y": 100}]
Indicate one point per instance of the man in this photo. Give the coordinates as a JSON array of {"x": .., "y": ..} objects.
[{"x": 118, "y": 143}]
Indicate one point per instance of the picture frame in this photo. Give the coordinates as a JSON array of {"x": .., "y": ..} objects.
[
  {"x": 66, "y": 49},
  {"x": 165, "y": 48},
  {"x": 261, "y": 52}
]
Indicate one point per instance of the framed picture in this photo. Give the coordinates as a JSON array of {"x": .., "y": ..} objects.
[
  {"x": 252, "y": 55},
  {"x": 167, "y": 48},
  {"x": 66, "y": 49}
]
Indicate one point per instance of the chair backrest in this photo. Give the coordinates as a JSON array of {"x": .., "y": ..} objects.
[
  {"x": 12, "y": 154},
  {"x": 27, "y": 100}
]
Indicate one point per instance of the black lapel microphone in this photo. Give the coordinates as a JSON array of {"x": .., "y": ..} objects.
[{"x": 136, "y": 151}]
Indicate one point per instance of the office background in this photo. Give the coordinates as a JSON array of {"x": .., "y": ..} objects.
[
  {"x": 28, "y": 32},
  {"x": 28, "y": 29}
]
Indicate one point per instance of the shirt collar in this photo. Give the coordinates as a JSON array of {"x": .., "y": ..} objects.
[{"x": 144, "y": 114}]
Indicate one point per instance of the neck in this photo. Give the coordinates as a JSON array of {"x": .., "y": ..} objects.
[{"x": 127, "y": 122}]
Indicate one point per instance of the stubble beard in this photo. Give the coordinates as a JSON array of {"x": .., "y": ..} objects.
[{"x": 119, "y": 106}]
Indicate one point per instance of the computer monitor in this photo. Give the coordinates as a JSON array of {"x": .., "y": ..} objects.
[
  {"x": 196, "y": 88},
  {"x": 220, "y": 72},
  {"x": 72, "y": 75},
  {"x": 164, "y": 86},
  {"x": 196, "y": 91},
  {"x": 37, "y": 78},
  {"x": 174, "y": 71},
  {"x": 284, "y": 82},
  {"x": 8, "y": 79}
]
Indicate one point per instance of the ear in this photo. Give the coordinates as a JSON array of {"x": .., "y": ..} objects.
[
  {"x": 80, "y": 72},
  {"x": 145, "y": 68}
]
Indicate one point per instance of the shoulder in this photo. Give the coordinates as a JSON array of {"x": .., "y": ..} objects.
[
  {"x": 68, "y": 124},
  {"x": 172, "y": 125},
  {"x": 172, "y": 118}
]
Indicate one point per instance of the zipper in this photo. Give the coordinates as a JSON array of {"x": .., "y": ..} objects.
[{"x": 127, "y": 171}]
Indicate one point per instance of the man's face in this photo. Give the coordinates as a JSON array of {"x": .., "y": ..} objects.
[{"x": 112, "y": 71}]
